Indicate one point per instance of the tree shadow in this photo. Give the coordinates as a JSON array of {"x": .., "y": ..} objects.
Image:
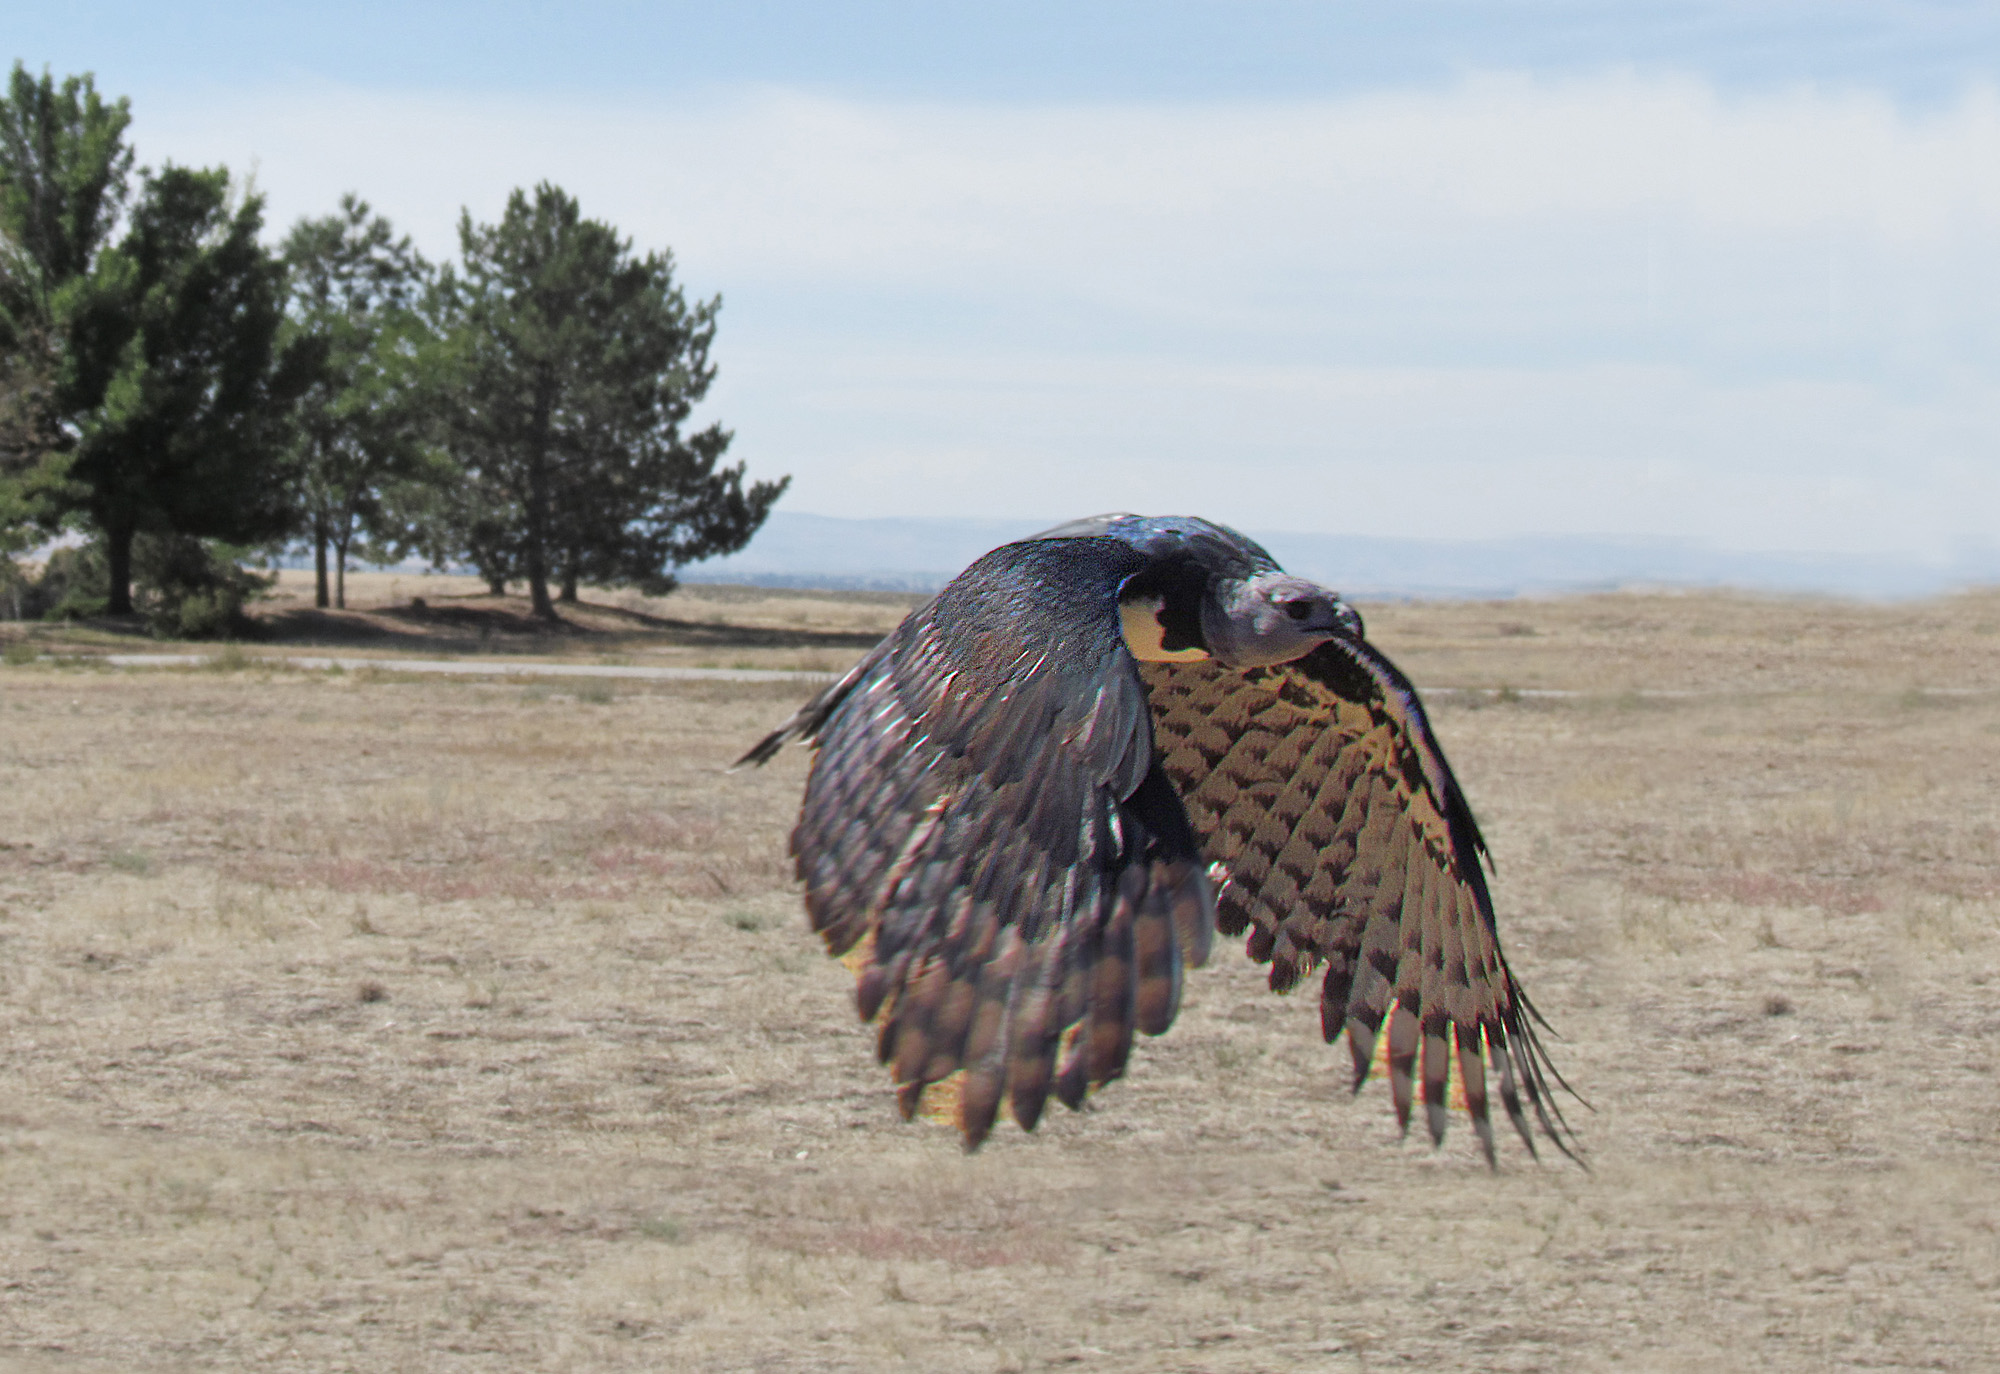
[
  {"x": 707, "y": 633},
  {"x": 449, "y": 628}
]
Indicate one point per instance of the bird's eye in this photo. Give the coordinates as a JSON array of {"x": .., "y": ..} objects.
[{"x": 1299, "y": 610}]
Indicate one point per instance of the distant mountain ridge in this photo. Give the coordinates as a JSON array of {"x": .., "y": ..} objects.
[{"x": 919, "y": 554}]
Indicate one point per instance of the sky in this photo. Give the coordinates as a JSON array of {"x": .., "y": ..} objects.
[{"x": 1721, "y": 272}]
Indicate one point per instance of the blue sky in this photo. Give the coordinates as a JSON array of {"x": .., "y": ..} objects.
[
  {"x": 1728, "y": 272},
  {"x": 1047, "y": 50}
]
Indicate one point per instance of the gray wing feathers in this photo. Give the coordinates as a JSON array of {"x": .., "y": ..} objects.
[{"x": 968, "y": 840}]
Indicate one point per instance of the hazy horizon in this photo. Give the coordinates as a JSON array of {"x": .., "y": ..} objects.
[{"x": 922, "y": 553}]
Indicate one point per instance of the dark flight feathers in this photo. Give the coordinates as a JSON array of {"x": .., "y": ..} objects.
[{"x": 1010, "y": 825}]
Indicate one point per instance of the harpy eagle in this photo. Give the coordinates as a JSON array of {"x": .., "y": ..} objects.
[{"x": 1035, "y": 802}]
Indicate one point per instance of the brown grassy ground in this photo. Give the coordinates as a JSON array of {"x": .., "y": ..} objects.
[{"x": 356, "y": 1022}]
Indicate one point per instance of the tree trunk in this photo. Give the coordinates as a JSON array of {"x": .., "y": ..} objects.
[
  {"x": 569, "y": 584},
  {"x": 538, "y": 508},
  {"x": 118, "y": 549},
  {"x": 319, "y": 561},
  {"x": 496, "y": 584},
  {"x": 340, "y": 574},
  {"x": 538, "y": 588}
]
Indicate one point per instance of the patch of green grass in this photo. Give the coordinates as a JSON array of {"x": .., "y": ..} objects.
[
  {"x": 19, "y": 653},
  {"x": 668, "y": 1229},
  {"x": 596, "y": 691},
  {"x": 134, "y": 861}
]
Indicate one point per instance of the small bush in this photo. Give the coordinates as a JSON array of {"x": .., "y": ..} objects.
[
  {"x": 189, "y": 588},
  {"x": 72, "y": 586},
  {"x": 185, "y": 588}
]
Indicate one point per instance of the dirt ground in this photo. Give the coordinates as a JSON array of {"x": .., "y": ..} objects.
[{"x": 361, "y": 1022}]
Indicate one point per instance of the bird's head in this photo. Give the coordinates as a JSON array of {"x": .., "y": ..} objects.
[
  {"x": 1183, "y": 613},
  {"x": 1272, "y": 617},
  {"x": 1206, "y": 591}
]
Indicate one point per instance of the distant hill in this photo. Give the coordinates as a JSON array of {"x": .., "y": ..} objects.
[{"x": 794, "y": 550}]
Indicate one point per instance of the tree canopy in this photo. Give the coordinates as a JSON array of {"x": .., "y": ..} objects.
[
  {"x": 173, "y": 372},
  {"x": 361, "y": 422},
  {"x": 64, "y": 172},
  {"x": 574, "y": 364}
]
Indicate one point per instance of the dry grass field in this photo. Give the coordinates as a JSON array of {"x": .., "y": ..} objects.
[{"x": 364, "y": 1022}]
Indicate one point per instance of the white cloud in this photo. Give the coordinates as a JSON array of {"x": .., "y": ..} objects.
[
  {"x": 1461, "y": 451},
  {"x": 1616, "y": 304}
]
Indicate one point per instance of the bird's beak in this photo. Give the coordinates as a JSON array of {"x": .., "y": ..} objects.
[{"x": 1347, "y": 621}]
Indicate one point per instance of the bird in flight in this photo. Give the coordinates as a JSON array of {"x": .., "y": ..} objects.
[{"x": 1035, "y": 802}]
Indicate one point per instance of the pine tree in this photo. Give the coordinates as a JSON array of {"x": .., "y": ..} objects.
[
  {"x": 574, "y": 365},
  {"x": 172, "y": 370}
]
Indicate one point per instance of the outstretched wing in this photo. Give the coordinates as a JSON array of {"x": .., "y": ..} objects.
[
  {"x": 1343, "y": 840},
  {"x": 987, "y": 826}
]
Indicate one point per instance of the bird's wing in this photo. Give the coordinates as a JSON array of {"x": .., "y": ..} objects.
[
  {"x": 986, "y": 828},
  {"x": 1319, "y": 789}
]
